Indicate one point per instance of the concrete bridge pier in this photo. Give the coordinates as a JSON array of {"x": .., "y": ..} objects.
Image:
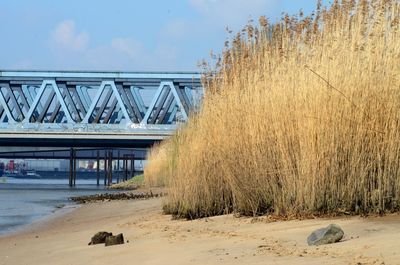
[
  {"x": 118, "y": 167},
  {"x": 105, "y": 168},
  {"x": 110, "y": 168},
  {"x": 72, "y": 168},
  {"x": 133, "y": 165},
  {"x": 125, "y": 167},
  {"x": 98, "y": 168},
  {"x": 129, "y": 170}
]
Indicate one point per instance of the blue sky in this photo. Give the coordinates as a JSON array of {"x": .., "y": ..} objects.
[{"x": 124, "y": 35}]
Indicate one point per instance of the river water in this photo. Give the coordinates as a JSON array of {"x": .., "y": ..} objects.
[{"x": 24, "y": 201}]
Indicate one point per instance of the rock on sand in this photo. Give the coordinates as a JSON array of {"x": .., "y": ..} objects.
[{"x": 327, "y": 235}]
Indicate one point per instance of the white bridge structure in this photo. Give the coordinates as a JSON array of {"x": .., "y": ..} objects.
[{"x": 94, "y": 109}]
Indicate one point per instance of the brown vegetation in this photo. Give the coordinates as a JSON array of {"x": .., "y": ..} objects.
[{"x": 302, "y": 117}]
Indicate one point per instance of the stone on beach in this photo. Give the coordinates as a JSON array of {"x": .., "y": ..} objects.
[
  {"x": 99, "y": 238},
  {"x": 327, "y": 235},
  {"x": 114, "y": 240}
]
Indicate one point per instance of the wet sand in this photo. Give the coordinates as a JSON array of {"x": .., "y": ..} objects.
[{"x": 155, "y": 238}]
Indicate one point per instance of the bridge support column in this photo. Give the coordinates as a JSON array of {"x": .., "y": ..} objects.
[
  {"x": 125, "y": 161},
  {"x": 118, "y": 169},
  {"x": 72, "y": 168},
  {"x": 75, "y": 162},
  {"x": 105, "y": 168},
  {"x": 110, "y": 167},
  {"x": 133, "y": 166},
  {"x": 98, "y": 168}
]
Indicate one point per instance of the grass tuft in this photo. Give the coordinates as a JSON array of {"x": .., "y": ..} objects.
[{"x": 130, "y": 184}]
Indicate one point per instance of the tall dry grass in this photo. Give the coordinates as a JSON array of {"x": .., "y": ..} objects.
[
  {"x": 302, "y": 117},
  {"x": 158, "y": 167}
]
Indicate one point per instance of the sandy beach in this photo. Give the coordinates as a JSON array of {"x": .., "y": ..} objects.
[{"x": 155, "y": 238}]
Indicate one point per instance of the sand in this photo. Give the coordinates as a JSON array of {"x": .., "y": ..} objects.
[{"x": 155, "y": 238}]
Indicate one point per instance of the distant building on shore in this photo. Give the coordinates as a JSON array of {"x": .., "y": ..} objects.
[{"x": 61, "y": 165}]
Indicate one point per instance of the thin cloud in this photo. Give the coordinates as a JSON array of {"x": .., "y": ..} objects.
[
  {"x": 127, "y": 46},
  {"x": 66, "y": 37}
]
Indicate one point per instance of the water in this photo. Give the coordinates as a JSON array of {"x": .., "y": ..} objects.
[{"x": 24, "y": 201}]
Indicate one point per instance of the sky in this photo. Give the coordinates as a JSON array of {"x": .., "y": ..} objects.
[{"x": 124, "y": 35}]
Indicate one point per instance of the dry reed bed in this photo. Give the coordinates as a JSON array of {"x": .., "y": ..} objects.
[{"x": 301, "y": 118}]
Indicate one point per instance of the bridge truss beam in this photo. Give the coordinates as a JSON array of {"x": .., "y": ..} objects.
[{"x": 105, "y": 102}]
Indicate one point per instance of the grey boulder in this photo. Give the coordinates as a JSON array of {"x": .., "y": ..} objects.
[
  {"x": 114, "y": 240},
  {"x": 327, "y": 235},
  {"x": 99, "y": 238}
]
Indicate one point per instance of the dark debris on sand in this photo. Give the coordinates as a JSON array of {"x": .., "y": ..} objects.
[{"x": 115, "y": 196}]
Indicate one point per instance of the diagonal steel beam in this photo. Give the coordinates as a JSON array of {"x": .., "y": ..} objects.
[
  {"x": 46, "y": 107},
  {"x": 14, "y": 102},
  {"x": 7, "y": 99},
  {"x": 6, "y": 108},
  {"x": 57, "y": 108},
  {"x": 110, "y": 111},
  {"x": 124, "y": 96},
  {"x": 27, "y": 94},
  {"x": 157, "y": 95},
  {"x": 166, "y": 109},
  {"x": 82, "y": 97},
  {"x": 78, "y": 101},
  {"x": 119, "y": 115},
  {"x": 70, "y": 101},
  {"x": 189, "y": 95},
  {"x": 55, "y": 112},
  {"x": 173, "y": 114},
  {"x": 136, "y": 103},
  {"x": 62, "y": 102},
  {"x": 120, "y": 102},
  {"x": 23, "y": 98},
  {"x": 36, "y": 101},
  {"x": 131, "y": 106},
  {"x": 85, "y": 94},
  {"x": 30, "y": 95},
  {"x": 97, "y": 98},
  {"x": 94, "y": 102},
  {"x": 138, "y": 99},
  {"x": 181, "y": 96},
  {"x": 159, "y": 106},
  {"x": 103, "y": 106},
  {"x": 178, "y": 101},
  {"x": 185, "y": 97},
  {"x": 153, "y": 102}
]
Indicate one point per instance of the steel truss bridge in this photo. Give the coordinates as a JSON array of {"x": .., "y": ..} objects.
[{"x": 94, "y": 109}]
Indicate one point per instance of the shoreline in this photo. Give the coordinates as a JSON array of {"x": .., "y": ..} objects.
[
  {"x": 26, "y": 203},
  {"x": 155, "y": 238},
  {"x": 42, "y": 221},
  {"x": 75, "y": 202}
]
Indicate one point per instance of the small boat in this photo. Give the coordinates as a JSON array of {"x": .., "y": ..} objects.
[
  {"x": 19, "y": 175},
  {"x": 33, "y": 175}
]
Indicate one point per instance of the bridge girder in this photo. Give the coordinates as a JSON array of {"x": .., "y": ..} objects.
[{"x": 48, "y": 105}]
